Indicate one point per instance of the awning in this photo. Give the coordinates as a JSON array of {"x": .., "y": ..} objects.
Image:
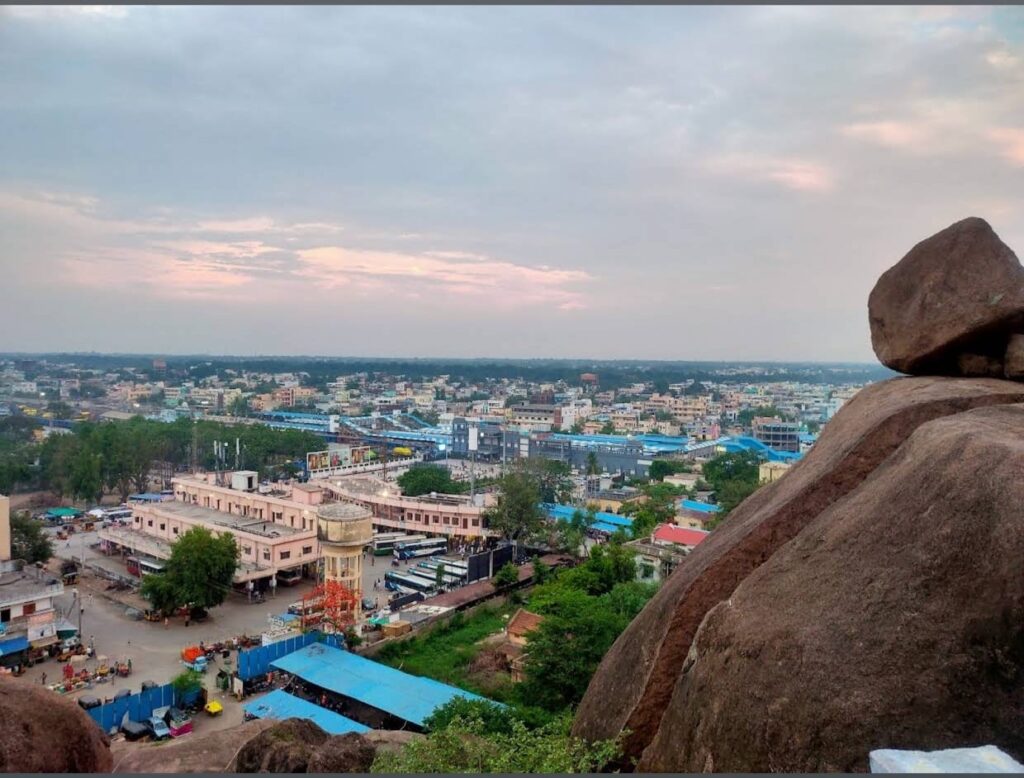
[
  {"x": 49, "y": 640},
  {"x": 13, "y": 645}
]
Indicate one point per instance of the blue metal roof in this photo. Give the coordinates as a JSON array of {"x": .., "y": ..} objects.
[
  {"x": 607, "y": 522},
  {"x": 700, "y": 507},
  {"x": 13, "y": 645},
  {"x": 405, "y": 696},
  {"x": 279, "y": 704}
]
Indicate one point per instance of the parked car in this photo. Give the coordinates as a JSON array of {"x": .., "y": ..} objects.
[
  {"x": 86, "y": 702},
  {"x": 136, "y": 730},
  {"x": 369, "y": 605},
  {"x": 159, "y": 728}
]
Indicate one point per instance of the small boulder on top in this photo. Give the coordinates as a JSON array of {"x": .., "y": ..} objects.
[{"x": 950, "y": 306}]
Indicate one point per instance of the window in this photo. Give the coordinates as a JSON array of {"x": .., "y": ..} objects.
[
  {"x": 163, "y": 527},
  {"x": 149, "y": 523},
  {"x": 307, "y": 550},
  {"x": 286, "y": 554},
  {"x": 476, "y": 522},
  {"x": 28, "y": 609},
  {"x": 266, "y": 554},
  {"x": 247, "y": 550},
  {"x": 175, "y": 530},
  {"x": 5, "y": 615}
]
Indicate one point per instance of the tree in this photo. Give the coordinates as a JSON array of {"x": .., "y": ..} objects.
[
  {"x": 741, "y": 465},
  {"x": 86, "y": 480},
  {"x": 198, "y": 574},
  {"x": 577, "y": 427},
  {"x": 517, "y": 514},
  {"x": 481, "y": 742},
  {"x": 506, "y": 577},
  {"x": 60, "y": 410},
  {"x": 424, "y": 479},
  {"x": 593, "y": 468},
  {"x": 29, "y": 540},
  {"x": 553, "y": 478},
  {"x": 570, "y": 535},
  {"x": 439, "y": 576},
  {"x": 608, "y": 428},
  {"x": 659, "y": 469},
  {"x": 239, "y": 406}
]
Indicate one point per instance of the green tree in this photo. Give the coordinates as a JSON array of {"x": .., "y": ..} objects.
[
  {"x": 86, "y": 478},
  {"x": 553, "y": 478},
  {"x": 424, "y": 479},
  {"x": 659, "y": 469},
  {"x": 507, "y": 576},
  {"x": 608, "y": 428},
  {"x": 198, "y": 574},
  {"x": 736, "y": 465},
  {"x": 517, "y": 514},
  {"x": 479, "y": 745},
  {"x": 569, "y": 536},
  {"x": 439, "y": 576},
  {"x": 239, "y": 406},
  {"x": 593, "y": 468},
  {"x": 29, "y": 540},
  {"x": 60, "y": 410}
]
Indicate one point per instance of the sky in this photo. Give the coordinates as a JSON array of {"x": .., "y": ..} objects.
[{"x": 720, "y": 183}]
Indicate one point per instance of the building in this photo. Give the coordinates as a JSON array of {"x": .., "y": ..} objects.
[
  {"x": 275, "y": 529},
  {"x": 772, "y": 471},
  {"x": 696, "y": 514},
  {"x": 5, "y": 528},
  {"x": 493, "y": 441},
  {"x": 777, "y": 434},
  {"x": 28, "y": 619},
  {"x": 626, "y": 457},
  {"x": 452, "y": 516},
  {"x": 536, "y": 416},
  {"x": 612, "y": 500},
  {"x": 344, "y": 531}
]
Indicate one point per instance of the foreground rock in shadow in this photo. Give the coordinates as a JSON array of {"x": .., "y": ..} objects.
[
  {"x": 42, "y": 732},
  {"x": 894, "y": 620},
  {"x": 209, "y": 753},
  {"x": 634, "y": 683},
  {"x": 950, "y": 306}
]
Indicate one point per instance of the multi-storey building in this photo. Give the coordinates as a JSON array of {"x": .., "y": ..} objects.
[
  {"x": 494, "y": 442},
  {"x": 777, "y": 434},
  {"x": 536, "y": 417}
]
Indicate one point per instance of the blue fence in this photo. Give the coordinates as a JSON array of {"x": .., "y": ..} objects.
[
  {"x": 256, "y": 661},
  {"x": 138, "y": 706}
]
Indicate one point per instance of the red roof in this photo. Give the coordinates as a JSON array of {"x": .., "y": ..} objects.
[{"x": 684, "y": 536}]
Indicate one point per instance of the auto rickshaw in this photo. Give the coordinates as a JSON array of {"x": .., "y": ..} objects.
[{"x": 213, "y": 708}]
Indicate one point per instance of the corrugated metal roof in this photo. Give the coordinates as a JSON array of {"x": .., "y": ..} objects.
[
  {"x": 405, "y": 696},
  {"x": 700, "y": 507},
  {"x": 280, "y": 705},
  {"x": 669, "y": 533}
]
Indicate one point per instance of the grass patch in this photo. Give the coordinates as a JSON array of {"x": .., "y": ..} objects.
[{"x": 445, "y": 652}]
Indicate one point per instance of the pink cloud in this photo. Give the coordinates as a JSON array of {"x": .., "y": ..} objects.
[
  {"x": 1012, "y": 142},
  {"x": 792, "y": 173},
  {"x": 496, "y": 282},
  {"x": 887, "y": 133}
]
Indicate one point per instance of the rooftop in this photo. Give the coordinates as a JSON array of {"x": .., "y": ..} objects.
[
  {"x": 26, "y": 585},
  {"x": 230, "y": 521}
]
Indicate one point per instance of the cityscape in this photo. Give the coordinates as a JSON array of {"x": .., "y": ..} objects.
[{"x": 511, "y": 389}]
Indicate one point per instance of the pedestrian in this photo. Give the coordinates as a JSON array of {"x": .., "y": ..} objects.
[
  {"x": 44, "y": 679},
  {"x": 166, "y": 622},
  {"x": 186, "y": 619},
  {"x": 129, "y": 665}
]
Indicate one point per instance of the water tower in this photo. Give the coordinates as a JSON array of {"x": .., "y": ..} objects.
[{"x": 344, "y": 530}]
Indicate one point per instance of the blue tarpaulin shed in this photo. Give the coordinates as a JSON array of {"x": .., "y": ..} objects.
[
  {"x": 404, "y": 696},
  {"x": 280, "y": 704},
  {"x": 13, "y": 645}
]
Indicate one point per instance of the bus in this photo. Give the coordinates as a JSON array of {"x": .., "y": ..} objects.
[
  {"x": 289, "y": 577},
  {"x": 448, "y": 579},
  {"x": 118, "y": 515},
  {"x": 428, "y": 547},
  {"x": 141, "y": 567},
  {"x": 398, "y": 582},
  {"x": 384, "y": 542},
  {"x": 451, "y": 574}
]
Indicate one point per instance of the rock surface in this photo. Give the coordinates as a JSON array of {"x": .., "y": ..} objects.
[
  {"x": 210, "y": 753},
  {"x": 285, "y": 747},
  {"x": 41, "y": 732},
  {"x": 349, "y": 753},
  {"x": 894, "y": 620},
  {"x": 634, "y": 683},
  {"x": 959, "y": 292}
]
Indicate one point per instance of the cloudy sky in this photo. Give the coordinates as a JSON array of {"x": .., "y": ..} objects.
[{"x": 655, "y": 183}]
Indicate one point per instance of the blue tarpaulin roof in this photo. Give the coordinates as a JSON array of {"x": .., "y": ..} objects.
[
  {"x": 280, "y": 704},
  {"x": 700, "y": 507},
  {"x": 405, "y": 696},
  {"x": 603, "y": 522},
  {"x": 13, "y": 645}
]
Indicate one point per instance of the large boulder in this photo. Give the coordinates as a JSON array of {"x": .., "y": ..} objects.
[
  {"x": 349, "y": 753},
  {"x": 950, "y": 305},
  {"x": 894, "y": 620},
  {"x": 200, "y": 753},
  {"x": 634, "y": 683},
  {"x": 285, "y": 747},
  {"x": 42, "y": 732}
]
